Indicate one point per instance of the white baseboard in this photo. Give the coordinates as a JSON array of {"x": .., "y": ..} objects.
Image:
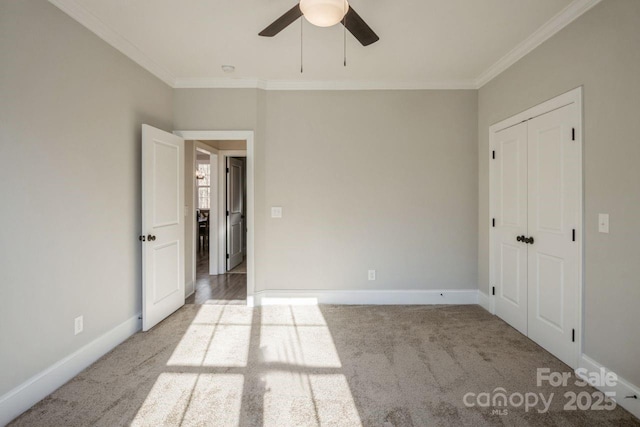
[
  {"x": 622, "y": 389},
  {"x": 250, "y": 301},
  {"x": 190, "y": 289},
  {"x": 366, "y": 297},
  {"x": 36, "y": 388},
  {"x": 484, "y": 301}
]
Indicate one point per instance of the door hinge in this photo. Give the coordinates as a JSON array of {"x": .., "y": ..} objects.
[
  {"x": 573, "y": 134},
  {"x": 573, "y": 235},
  {"x": 493, "y": 154},
  {"x": 573, "y": 335},
  {"x": 227, "y": 256},
  {"x": 227, "y": 170},
  {"x": 227, "y": 213},
  {"x": 493, "y": 222},
  {"x": 493, "y": 290}
]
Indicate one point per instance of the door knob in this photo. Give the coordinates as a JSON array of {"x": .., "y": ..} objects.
[
  {"x": 521, "y": 239},
  {"x": 530, "y": 240},
  {"x": 151, "y": 238}
]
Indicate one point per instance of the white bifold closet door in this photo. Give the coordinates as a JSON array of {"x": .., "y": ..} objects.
[
  {"x": 511, "y": 221},
  {"x": 537, "y": 248},
  {"x": 554, "y": 213}
]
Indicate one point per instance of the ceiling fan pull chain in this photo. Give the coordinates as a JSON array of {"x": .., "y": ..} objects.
[
  {"x": 301, "y": 45},
  {"x": 344, "y": 34}
]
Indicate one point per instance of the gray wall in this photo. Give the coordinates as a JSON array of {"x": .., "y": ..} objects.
[
  {"x": 379, "y": 180},
  {"x": 601, "y": 51},
  {"x": 70, "y": 114},
  {"x": 216, "y": 109}
]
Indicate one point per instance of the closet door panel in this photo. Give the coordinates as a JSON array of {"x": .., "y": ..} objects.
[
  {"x": 553, "y": 212},
  {"x": 510, "y": 211}
]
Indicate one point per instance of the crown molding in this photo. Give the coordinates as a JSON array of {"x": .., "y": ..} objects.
[
  {"x": 566, "y": 16},
  {"x": 320, "y": 85},
  {"x": 225, "y": 83},
  {"x": 76, "y": 11}
]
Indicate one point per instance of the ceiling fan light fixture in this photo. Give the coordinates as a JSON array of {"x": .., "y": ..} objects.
[{"x": 324, "y": 13}]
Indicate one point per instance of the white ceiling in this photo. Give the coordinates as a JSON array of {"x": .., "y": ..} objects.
[{"x": 423, "y": 43}]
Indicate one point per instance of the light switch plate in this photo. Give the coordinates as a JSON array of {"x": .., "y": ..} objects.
[
  {"x": 276, "y": 212},
  {"x": 371, "y": 275},
  {"x": 603, "y": 223}
]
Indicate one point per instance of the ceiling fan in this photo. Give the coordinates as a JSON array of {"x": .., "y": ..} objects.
[{"x": 325, "y": 13}]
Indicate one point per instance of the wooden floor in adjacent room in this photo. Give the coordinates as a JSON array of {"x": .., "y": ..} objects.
[{"x": 230, "y": 288}]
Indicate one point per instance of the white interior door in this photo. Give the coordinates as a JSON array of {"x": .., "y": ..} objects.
[
  {"x": 554, "y": 215},
  {"x": 162, "y": 225},
  {"x": 510, "y": 210},
  {"x": 235, "y": 211}
]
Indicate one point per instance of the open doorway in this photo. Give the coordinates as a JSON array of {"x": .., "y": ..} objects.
[
  {"x": 203, "y": 216},
  {"x": 219, "y": 222}
]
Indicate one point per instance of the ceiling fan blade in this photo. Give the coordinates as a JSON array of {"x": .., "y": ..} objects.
[
  {"x": 360, "y": 30},
  {"x": 283, "y": 22}
]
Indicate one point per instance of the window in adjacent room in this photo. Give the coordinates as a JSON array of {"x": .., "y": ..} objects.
[{"x": 204, "y": 185}]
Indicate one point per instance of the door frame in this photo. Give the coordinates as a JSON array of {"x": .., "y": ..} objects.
[
  {"x": 573, "y": 96},
  {"x": 234, "y": 135}
]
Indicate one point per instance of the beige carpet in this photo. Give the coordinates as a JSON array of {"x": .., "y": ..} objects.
[{"x": 210, "y": 365}]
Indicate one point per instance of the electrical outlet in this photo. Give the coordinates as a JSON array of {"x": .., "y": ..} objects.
[
  {"x": 372, "y": 275},
  {"x": 78, "y": 324}
]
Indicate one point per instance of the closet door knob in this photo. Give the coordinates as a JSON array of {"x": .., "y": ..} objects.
[{"x": 151, "y": 238}]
